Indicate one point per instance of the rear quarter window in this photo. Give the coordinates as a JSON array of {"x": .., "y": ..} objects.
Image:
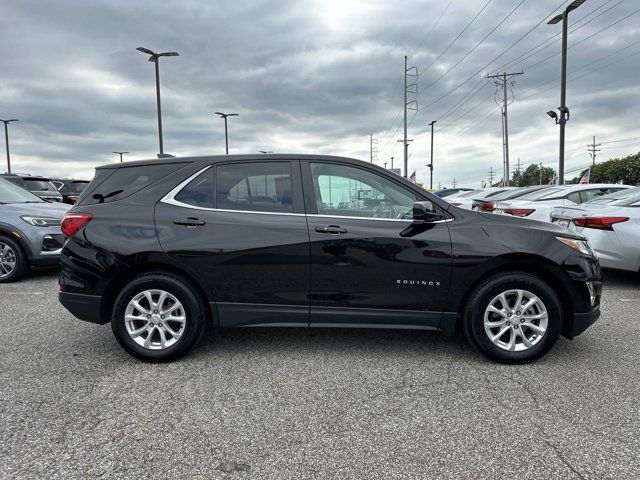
[{"x": 110, "y": 185}]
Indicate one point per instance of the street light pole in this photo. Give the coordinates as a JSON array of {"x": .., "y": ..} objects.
[
  {"x": 431, "y": 164},
  {"x": 226, "y": 135},
  {"x": 564, "y": 111},
  {"x": 154, "y": 57},
  {"x": 120, "y": 153},
  {"x": 6, "y": 140}
]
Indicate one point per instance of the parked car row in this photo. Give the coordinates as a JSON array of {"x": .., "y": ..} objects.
[
  {"x": 607, "y": 214},
  {"x": 65, "y": 190}
]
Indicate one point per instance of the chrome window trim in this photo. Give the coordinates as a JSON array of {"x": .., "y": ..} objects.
[{"x": 169, "y": 198}]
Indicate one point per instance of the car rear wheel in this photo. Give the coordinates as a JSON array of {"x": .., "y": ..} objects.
[
  {"x": 157, "y": 317},
  {"x": 513, "y": 318},
  {"x": 13, "y": 262}
]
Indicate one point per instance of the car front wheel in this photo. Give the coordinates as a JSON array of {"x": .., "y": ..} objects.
[
  {"x": 13, "y": 263},
  {"x": 157, "y": 317},
  {"x": 513, "y": 318}
]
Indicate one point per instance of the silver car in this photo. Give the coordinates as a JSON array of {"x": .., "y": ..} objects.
[{"x": 30, "y": 232}]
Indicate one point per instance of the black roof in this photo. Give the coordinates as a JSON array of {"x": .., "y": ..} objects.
[{"x": 221, "y": 158}]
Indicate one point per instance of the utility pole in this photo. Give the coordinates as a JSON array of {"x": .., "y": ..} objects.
[
  {"x": 491, "y": 173},
  {"x": 502, "y": 80},
  {"x": 439, "y": 185},
  {"x": 6, "y": 139},
  {"x": 120, "y": 153},
  {"x": 385, "y": 165},
  {"x": 431, "y": 164},
  {"x": 454, "y": 183},
  {"x": 391, "y": 163},
  {"x": 408, "y": 105},
  {"x": 373, "y": 150},
  {"x": 540, "y": 173},
  {"x": 518, "y": 171},
  {"x": 593, "y": 150}
]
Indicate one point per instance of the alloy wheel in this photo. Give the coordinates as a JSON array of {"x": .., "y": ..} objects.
[
  {"x": 155, "y": 319},
  {"x": 7, "y": 260},
  {"x": 516, "y": 320}
]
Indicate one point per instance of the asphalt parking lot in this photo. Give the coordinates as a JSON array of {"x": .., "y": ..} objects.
[{"x": 318, "y": 404}]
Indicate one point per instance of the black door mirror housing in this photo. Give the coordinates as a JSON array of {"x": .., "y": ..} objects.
[{"x": 425, "y": 212}]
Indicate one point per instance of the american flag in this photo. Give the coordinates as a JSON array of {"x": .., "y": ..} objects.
[
  {"x": 584, "y": 176},
  {"x": 413, "y": 177},
  {"x": 553, "y": 178}
]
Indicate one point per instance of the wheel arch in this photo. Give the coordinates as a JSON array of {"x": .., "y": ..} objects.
[
  {"x": 7, "y": 231},
  {"x": 532, "y": 264},
  {"x": 137, "y": 269}
]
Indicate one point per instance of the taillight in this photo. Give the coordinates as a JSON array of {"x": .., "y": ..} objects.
[
  {"x": 72, "y": 223},
  {"x": 600, "y": 223},
  {"x": 486, "y": 206},
  {"x": 455, "y": 204},
  {"x": 519, "y": 212}
]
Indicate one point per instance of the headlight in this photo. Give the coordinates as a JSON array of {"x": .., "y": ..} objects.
[
  {"x": 42, "y": 221},
  {"x": 581, "y": 246}
]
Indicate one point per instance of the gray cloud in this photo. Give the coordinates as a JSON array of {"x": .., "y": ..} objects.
[{"x": 313, "y": 77}]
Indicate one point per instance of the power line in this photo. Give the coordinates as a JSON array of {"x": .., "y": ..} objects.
[
  {"x": 492, "y": 61},
  {"x": 529, "y": 67},
  {"x": 457, "y": 37},
  {"x": 424, "y": 39},
  {"x": 476, "y": 45},
  {"x": 524, "y": 55}
]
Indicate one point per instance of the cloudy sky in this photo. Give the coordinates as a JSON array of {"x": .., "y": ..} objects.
[{"x": 314, "y": 77}]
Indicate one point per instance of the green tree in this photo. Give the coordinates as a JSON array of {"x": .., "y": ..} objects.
[
  {"x": 625, "y": 170},
  {"x": 531, "y": 176}
]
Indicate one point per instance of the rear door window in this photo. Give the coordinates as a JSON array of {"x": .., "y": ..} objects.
[
  {"x": 199, "y": 191},
  {"x": 254, "y": 186}
]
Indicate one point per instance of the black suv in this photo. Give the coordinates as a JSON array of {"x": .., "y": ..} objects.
[
  {"x": 160, "y": 248},
  {"x": 40, "y": 186},
  {"x": 69, "y": 188}
]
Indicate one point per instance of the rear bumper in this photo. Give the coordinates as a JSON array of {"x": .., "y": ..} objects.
[
  {"x": 582, "y": 321},
  {"x": 81, "y": 306}
]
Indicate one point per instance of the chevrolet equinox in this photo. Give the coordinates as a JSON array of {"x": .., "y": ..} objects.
[{"x": 162, "y": 248}]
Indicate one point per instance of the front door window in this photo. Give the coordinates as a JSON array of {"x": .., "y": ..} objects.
[{"x": 343, "y": 190}]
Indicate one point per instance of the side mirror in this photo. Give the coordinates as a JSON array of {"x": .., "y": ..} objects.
[{"x": 425, "y": 212}]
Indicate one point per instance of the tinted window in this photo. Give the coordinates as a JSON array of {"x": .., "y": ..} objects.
[
  {"x": 574, "y": 197},
  {"x": 260, "y": 186},
  {"x": 350, "y": 191},
  {"x": 595, "y": 193},
  {"x": 11, "y": 193},
  {"x": 621, "y": 197},
  {"x": 199, "y": 192},
  {"x": 38, "y": 184},
  {"x": 124, "y": 181}
]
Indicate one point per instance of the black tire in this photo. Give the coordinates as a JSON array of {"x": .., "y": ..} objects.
[
  {"x": 22, "y": 263},
  {"x": 194, "y": 310},
  {"x": 479, "y": 301}
]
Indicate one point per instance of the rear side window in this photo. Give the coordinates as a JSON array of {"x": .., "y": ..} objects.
[
  {"x": 34, "y": 184},
  {"x": 260, "y": 186},
  {"x": 199, "y": 192},
  {"x": 125, "y": 181}
]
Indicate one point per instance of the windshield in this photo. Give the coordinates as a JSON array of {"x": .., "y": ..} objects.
[
  {"x": 12, "y": 193},
  {"x": 542, "y": 193},
  {"x": 38, "y": 184},
  {"x": 621, "y": 197}
]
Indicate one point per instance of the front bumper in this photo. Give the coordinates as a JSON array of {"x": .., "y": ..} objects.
[
  {"x": 582, "y": 321},
  {"x": 81, "y": 306}
]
